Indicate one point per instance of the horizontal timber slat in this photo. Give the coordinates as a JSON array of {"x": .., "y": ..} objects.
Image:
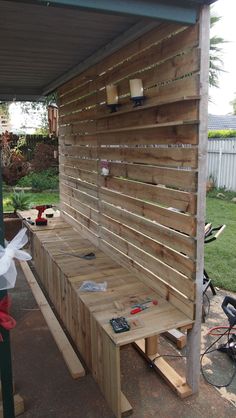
[
  {"x": 82, "y": 196},
  {"x": 169, "y": 237},
  {"x": 152, "y": 37},
  {"x": 176, "y": 220},
  {"x": 171, "y": 257},
  {"x": 78, "y": 173},
  {"x": 143, "y": 270},
  {"x": 170, "y": 177},
  {"x": 180, "y": 111},
  {"x": 80, "y": 217},
  {"x": 89, "y": 165},
  {"x": 172, "y": 157},
  {"x": 182, "y": 201},
  {"x": 161, "y": 51}
]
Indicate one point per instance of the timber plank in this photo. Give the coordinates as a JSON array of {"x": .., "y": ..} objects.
[
  {"x": 19, "y": 406},
  {"x": 171, "y": 257},
  {"x": 169, "y": 157},
  {"x": 169, "y": 237},
  {"x": 176, "y": 382},
  {"x": 154, "y": 36},
  {"x": 177, "y": 178},
  {"x": 75, "y": 367},
  {"x": 150, "y": 116},
  {"x": 156, "y": 53},
  {"x": 158, "y": 194},
  {"x": 167, "y": 274},
  {"x": 176, "y": 220}
]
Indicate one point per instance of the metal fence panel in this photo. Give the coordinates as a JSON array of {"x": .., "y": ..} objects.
[{"x": 222, "y": 162}]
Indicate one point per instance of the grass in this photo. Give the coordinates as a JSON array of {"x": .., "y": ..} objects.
[
  {"x": 220, "y": 257},
  {"x": 34, "y": 199}
]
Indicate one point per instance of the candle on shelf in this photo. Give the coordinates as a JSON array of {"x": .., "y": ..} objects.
[
  {"x": 136, "y": 91},
  {"x": 112, "y": 94}
]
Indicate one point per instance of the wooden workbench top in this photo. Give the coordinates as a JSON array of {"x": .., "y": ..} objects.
[{"x": 65, "y": 246}]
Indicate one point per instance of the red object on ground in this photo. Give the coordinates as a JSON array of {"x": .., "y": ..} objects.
[{"x": 6, "y": 320}]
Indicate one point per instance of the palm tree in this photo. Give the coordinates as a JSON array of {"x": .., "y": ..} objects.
[{"x": 216, "y": 63}]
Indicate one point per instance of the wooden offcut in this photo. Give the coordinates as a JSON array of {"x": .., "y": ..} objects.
[
  {"x": 74, "y": 365},
  {"x": 18, "y": 405}
]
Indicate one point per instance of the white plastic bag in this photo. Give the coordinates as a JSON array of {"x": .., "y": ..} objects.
[
  {"x": 90, "y": 286},
  {"x": 8, "y": 271}
]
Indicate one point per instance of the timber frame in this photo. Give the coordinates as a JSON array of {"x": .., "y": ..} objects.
[{"x": 144, "y": 220}]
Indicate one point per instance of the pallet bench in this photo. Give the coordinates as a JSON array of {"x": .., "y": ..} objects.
[{"x": 86, "y": 315}]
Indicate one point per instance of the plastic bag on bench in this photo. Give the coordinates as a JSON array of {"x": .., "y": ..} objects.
[{"x": 90, "y": 286}]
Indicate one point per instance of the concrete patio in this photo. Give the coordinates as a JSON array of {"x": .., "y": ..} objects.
[{"x": 44, "y": 382}]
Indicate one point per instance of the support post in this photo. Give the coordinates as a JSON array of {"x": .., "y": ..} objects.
[
  {"x": 194, "y": 335},
  {"x": 5, "y": 346}
]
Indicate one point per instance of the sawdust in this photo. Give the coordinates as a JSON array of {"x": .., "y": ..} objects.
[{"x": 228, "y": 395}]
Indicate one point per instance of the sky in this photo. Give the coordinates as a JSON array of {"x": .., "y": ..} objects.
[
  {"x": 220, "y": 97},
  {"x": 226, "y": 29}
]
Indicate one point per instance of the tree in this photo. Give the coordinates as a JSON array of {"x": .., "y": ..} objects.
[
  {"x": 216, "y": 63},
  {"x": 233, "y": 103}
]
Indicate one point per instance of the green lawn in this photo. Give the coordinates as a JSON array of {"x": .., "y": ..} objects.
[
  {"x": 34, "y": 199},
  {"x": 220, "y": 255}
]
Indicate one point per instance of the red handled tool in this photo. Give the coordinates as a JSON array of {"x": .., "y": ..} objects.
[
  {"x": 139, "y": 307},
  {"x": 40, "y": 221}
]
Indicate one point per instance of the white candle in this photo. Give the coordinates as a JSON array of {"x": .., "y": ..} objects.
[
  {"x": 136, "y": 87},
  {"x": 112, "y": 94}
]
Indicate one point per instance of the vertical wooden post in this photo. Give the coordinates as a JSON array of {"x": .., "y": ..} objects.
[
  {"x": 5, "y": 347},
  {"x": 151, "y": 346},
  {"x": 194, "y": 336}
]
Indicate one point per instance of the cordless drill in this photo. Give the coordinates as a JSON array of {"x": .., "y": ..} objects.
[{"x": 40, "y": 221}]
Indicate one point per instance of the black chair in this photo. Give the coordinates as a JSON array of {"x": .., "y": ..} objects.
[{"x": 211, "y": 234}]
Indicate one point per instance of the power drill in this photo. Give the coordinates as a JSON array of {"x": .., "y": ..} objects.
[{"x": 40, "y": 221}]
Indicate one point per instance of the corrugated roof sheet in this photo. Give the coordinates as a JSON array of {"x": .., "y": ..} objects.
[
  {"x": 218, "y": 122},
  {"x": 40, "y": 44}
]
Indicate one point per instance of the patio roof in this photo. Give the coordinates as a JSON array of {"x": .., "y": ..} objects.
[{"x": 45, "y": 43}]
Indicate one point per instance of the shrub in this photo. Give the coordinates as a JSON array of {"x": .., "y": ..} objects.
[
  {"x": 15, "y": 169},
  {"x": 20, "y": 201},
  {"x": 44, "y": 180},
  {"x": 43, "y": 157},
  {"x": 224, "y": 133}
]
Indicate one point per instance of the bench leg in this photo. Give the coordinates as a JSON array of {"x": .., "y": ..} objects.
[
  {"x": 177, "y": 383},
  {"x": 151, "y": 345},
  {"x": 106, "y": 370}
]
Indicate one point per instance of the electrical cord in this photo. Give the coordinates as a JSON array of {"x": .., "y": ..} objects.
[{"x": 207, "y": 351}]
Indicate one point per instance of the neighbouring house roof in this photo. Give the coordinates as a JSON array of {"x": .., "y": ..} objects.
[
  {"x": 219, "y": 122},
  {"x": 47, "y": 42}
]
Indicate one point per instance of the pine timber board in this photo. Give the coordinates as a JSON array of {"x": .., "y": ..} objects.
[
  {"x": 18, "y": 405},
  {"x": 161, "y": 366},
  {"x": 73, "y": 363},
  {"x": 86, "y": 315},
  {"x": 102, "y": 306}
]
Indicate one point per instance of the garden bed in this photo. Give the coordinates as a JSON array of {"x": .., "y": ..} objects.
[{"x": 12, "y": 225}]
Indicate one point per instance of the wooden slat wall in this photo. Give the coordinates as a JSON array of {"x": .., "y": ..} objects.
[{"x": 144, "y": 213}]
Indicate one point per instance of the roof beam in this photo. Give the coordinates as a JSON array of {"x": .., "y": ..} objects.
[
  {"x": 146, "y": 9},
  {"x": 10, "y": 94}
]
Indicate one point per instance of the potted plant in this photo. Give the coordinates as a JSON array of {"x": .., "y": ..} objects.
[{"x": 12, "y": 223}]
